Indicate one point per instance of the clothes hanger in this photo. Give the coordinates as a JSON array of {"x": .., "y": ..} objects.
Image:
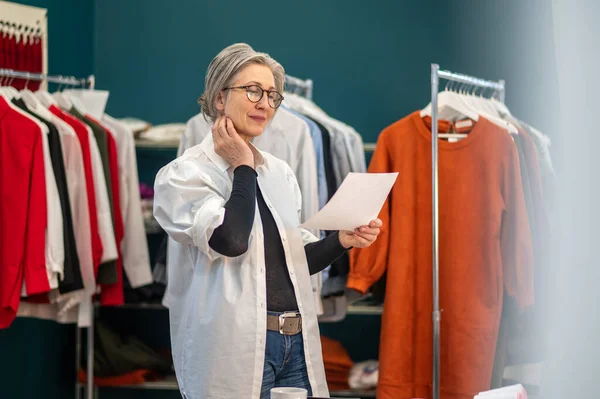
[
  {"x": 491, "y": 116},
  {"x": 485, "y": 103},
  {"x": 9, "y": 91},
  {"x": 456, "y": 113},
  {"x": 60, "y": 98},
  {"x": 45, "y": 98},
  {"x": 30, "y": 99},
  {"x": 450, "y": 106},
  {"x": 500, "y": 107}
]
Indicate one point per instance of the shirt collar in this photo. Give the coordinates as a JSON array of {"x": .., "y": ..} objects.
[{"x": 208, "y": 147}]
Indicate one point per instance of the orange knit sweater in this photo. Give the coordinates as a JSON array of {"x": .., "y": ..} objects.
[{"x": 484, "y": 247}]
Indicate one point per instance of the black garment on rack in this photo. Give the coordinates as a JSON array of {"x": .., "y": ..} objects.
[
  {"x": 107, "y": 272},
  {"x": 328, "y": 161},
  {"x": 231, "y": 239},
  {"x": 72, "y": 280}
]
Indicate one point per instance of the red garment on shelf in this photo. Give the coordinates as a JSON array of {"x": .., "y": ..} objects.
[
  {"x": 132, "y": 378},
  {"x": 337, "y": 364}
]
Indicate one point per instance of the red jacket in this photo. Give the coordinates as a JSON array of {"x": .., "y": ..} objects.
[{"x": 22, "y": 211}]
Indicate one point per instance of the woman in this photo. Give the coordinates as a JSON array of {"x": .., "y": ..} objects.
[{"x": 242, "y": 314}]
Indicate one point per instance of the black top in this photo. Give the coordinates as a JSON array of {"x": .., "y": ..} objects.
[
  {"x": 72, "y": 280},
  {"x": 332, "y": 184},
  {"x": 231, "y": 239}
]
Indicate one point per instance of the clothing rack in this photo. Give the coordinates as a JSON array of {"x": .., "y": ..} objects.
[
  {"x": 292, "y": 83},
  {"x": 63, "y": 80},
  {"x": 499, "y": 88},
  {"x": 306, "y": 85},
  {"x": 89, "y": 83}
]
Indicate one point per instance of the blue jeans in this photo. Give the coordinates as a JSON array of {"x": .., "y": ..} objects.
[{"x": 284, "y": 363}]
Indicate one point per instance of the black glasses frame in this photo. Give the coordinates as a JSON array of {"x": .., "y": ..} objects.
[{"x": 263, "y": 91}]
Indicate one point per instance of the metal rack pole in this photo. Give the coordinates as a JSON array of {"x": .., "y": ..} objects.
[
  {"x": 91, "y": 82},
  {"x": 68, "y": 80},
  {"x": 77, "y": 361},
  {"x": 89, "y": 388},
  {"x": 435, "y": 80},
  {"x": 436, "y": 74},
  {"x": 309, "y": 89},
  {"x": 306, "y": 85},
  {"x": 502, "y": 91}
]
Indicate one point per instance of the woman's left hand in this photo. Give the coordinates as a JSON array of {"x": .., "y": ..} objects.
[{"x": 362, "y": 236}]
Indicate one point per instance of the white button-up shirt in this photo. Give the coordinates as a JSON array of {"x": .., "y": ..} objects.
[
  {"x": 218, "y": 304},
  {"x": 287, "y": 137},
  {"x": 136, "y": 258}
]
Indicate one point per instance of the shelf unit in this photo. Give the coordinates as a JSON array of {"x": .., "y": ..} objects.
[{"x": 170, "y": 384}]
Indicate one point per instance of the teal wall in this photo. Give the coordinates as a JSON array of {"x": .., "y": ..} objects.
[
  {"x": 369, "y": 60},
  {"x": 511, "y": 40},
  {"x": 37, "y": 358}
]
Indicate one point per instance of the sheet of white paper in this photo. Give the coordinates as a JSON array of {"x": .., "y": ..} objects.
[
  {"x": 510, "y": 392},
  {"x": 356, "y": 202}
]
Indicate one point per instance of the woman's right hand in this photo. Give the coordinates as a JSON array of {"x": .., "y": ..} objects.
[{"x": 229, "y": 144}]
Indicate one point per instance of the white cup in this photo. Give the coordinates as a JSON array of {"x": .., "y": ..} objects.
[{"x": 289, "y": 393}]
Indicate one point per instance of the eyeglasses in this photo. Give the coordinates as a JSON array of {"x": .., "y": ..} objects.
[{"x": 255, "y": 94}]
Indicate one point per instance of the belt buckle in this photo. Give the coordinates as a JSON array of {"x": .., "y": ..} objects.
[{"x": 283, "y": 317}]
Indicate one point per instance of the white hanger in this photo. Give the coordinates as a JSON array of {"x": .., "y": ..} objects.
[
  {"x": 493, "y": 116},
  {"x": 451, "y": 106},
  {"x": 9, "y": 91},
  {"x": 62, "y": 100},
  {"x": 500, "y": 106},
  {"x": 30, "y": 99},
  {"x": 45, "y": 98}
]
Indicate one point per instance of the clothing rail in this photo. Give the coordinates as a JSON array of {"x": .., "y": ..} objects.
[
  {"x": 436, "y": 75},
  {"x": 66, "y": 80},
  {"x": 88, "y": 82},
  {"x": 306, "y": 85},
  {"x": 369, "y": 147}
]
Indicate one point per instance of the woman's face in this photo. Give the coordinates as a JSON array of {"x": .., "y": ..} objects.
[{"x": 249, "y": 119}]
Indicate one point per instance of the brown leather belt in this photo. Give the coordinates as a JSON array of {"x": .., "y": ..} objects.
[{"x": 288, "y": 323}]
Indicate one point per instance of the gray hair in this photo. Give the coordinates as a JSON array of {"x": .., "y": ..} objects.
[{"x": 224, "y": 68}]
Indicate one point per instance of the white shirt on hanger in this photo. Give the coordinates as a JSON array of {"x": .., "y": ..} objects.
[
  {"x": 105, "y": 224},
  {"x": 73, "y": 157},
  {"x": 346, "y": 144},
  {"x": 134, "y": 247},
  {"x": 217, "y": 303},
  {"x": 74, "y": 307}
]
